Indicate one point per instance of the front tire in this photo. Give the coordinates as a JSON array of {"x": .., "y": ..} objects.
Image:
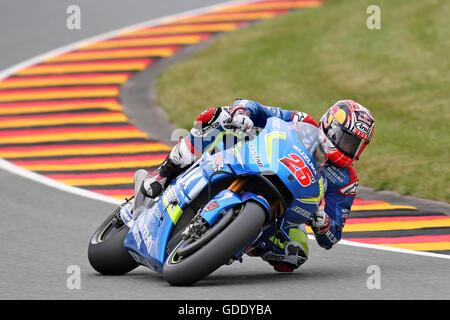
[
  {"x": 106, "y": 252},
  {"x": 218, "y": 251}
]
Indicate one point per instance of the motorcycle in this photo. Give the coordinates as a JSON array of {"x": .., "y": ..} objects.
[{"x": 217, "y": 210}]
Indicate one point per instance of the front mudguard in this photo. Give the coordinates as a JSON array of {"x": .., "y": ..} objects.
[{"x": 228, "y": 199}]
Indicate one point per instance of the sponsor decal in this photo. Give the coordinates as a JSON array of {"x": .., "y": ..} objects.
[
  {"x": 363, "y": 127},
  {"x": 298, "y": 116},
  {"x": 200, "y": 129},
  {"x": 149, "y": 242},
  {"x": 255, "y": 156},
  {"x": 306, "y": 158},
  {"x": 154, "y": 214},
  {"x": 171, "y": 195},
  {"x": 137, "y": 237},
  {"x": 331, "y": 237},
  {"x": 217, "y": 164},
  {"x": 126, "y": 215},
  {"x": 345, "y": 213},
  {"x": 145, "y": 235},
  {"x": 333, "y": 175},
  {"x": 276, "y": 111},
  {"x": 213, "y": 205},
  {"x": 301, "y": 211},
  {"x": 349, "y": 190},
  {"x": 364, "y": 118},
  {"x": 227, "y": 195},
  {"x": 210, "y": 128},
  {"x": 208, "y": 116}
]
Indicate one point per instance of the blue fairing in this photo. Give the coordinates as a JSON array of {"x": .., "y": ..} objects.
[
  {"x": 228, "y": 199},
  {"x": 281, "y": 148}
]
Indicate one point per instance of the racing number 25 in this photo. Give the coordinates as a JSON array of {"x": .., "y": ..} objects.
[{"x": 297, "y": 166}]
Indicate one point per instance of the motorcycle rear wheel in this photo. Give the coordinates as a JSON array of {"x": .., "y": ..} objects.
[
  {"x": 106, "y": 252},
  {"x": 183, "y": 271}
]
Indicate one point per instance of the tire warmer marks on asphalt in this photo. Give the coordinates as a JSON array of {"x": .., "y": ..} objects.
[{"x": 62, "y": 118}]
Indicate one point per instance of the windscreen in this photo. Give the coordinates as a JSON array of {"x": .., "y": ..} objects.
[{"x": 308, "y": 136}]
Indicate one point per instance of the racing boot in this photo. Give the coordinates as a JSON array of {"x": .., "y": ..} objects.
[
  {"x": 288, "y": 255},
  {"x": 179, "y": 158},
  {"x": 293, "y": 257},
  {"x": 156, "y": 181}
]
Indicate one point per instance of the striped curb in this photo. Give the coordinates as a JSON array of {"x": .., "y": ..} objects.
[{"x": 61, "y": 118}]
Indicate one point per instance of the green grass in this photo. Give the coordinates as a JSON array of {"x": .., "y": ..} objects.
[{"x": 307, "y": 60}]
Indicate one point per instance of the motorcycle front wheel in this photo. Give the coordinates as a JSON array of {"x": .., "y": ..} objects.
[{"x": 183, "y": 271}]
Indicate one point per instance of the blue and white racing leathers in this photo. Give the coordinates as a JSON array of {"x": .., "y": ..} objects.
[{"x": 341, "y": 183}]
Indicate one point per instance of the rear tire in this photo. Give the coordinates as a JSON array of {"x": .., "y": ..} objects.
[
  {"x": 218, "y": 251},
  {"x": 106, "y": 252}
]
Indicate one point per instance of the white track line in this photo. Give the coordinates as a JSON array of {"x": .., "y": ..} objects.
[
  {"x": 385, "y": 248},
  {"x": 8, "y": 166}
]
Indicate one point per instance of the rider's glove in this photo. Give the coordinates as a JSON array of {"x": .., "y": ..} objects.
[
  {"x": 240, "y": 121},
  {"x": 320, "y": 222}
]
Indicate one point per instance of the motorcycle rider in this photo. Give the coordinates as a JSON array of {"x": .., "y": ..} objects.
[{"x": 345, "y": 130}]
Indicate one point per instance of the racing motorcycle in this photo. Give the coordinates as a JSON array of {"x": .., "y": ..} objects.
[{"x": 217, "y": 210}]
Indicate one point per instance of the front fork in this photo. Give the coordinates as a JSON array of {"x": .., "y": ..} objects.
[
  {"x": 233, "y": 196},
  {"x": 276, "y": 207}
]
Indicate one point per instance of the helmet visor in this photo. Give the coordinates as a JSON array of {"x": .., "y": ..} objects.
[
  {"x": 345, "y": 142},
  {"x": 350, "y": 144}
]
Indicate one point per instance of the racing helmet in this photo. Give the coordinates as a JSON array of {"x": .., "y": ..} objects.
[{"x": 345, "y": 130}]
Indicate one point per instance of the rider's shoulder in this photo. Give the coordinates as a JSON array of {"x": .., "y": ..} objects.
[{"x": 340, "y": 177}]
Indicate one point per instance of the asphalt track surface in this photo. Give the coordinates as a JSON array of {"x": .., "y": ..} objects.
[
  {"x": 45, "y": 230},
  {"x": 30, "y": 28}
]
